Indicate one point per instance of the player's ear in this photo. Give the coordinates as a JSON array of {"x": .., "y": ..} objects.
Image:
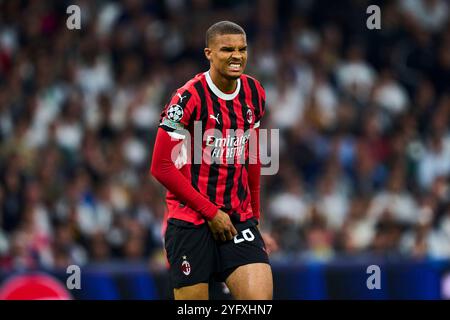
[{"x": 208, "y": 53}]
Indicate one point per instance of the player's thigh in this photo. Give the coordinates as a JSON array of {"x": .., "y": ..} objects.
[
  {"x": 251, "y": 282},
  {"x": 192, "y": 257},
  {"x": 245, "y": 264},
  {"x": 195, "y": 292}
]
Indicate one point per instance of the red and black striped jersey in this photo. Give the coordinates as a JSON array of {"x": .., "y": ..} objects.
[{"x": 215, "y": 157}]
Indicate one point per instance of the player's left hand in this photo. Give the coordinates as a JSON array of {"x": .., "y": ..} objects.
[
  {"x": 221, "y": 227},
  {"x": 270, "y": 242}
]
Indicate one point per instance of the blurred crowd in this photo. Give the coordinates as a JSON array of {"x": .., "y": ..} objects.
[{"x": 363, "y": 117}]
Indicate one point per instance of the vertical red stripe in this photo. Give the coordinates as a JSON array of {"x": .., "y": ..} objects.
[
  {"x": 235, "y": 201},
  {"x": 205, "y": 167},
  {"x": 223, "y": 171}
]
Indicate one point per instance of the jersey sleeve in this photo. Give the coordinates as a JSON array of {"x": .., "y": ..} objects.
[
  {"x": 261, "y": 106},
  {"x": 165, "y": 171},
  {"x": 178, "y": 113},
  {"x": 254, "y": 178}
]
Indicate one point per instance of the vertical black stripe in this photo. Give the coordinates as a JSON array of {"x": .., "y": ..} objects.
[
  {"x": 195, "y": 167},
  {"x": 256, "y": 105},
  {"x": 255, "y": 98},
  {"x": 241, "y": 192},
  {"x": 185, "y": 97},
  {"x": 263, "y": 106},
  {"x": 214, "y": 171},
  {"x": 255, "y": 101},
  {"x": 193, "y": 116},
  {"x": 231, "y": 168}
]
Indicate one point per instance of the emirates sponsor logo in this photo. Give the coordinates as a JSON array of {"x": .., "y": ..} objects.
[
  {"x": 229, "y": 146},
  {"x": 232, "y": 146}
]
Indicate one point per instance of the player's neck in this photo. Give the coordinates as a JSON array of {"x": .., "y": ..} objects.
[{"x": 223, "y": 84}]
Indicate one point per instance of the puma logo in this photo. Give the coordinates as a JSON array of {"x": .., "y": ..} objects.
[
  {"x": 181, "y": 98},
  {"x": 215, "y": 118}
]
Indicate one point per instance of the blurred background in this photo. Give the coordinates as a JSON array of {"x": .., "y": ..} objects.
[{"x": 364, "y": 119}]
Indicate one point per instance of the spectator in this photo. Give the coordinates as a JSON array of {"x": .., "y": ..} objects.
[{"x": 364, "y": 120}]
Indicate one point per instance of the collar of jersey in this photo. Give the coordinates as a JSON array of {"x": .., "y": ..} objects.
[{"x": 220, "y": 94}]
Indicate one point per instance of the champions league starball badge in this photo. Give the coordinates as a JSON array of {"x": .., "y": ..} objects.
[{"x": 175, "y": 113}]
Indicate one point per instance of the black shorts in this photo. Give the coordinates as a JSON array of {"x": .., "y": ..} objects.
[{"x": 195, "y": 257}]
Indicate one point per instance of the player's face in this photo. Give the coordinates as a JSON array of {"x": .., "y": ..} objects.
[{"x": 228, "y": 55}]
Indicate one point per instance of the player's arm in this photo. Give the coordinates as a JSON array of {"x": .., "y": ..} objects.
[
  {"x": 177, "y": 115},
  {"x": 254, "y": 174},
  {"x": 254, "y": 167},
  {"x": 164, "y": 170},
  {"x": 254, "y": 182}
]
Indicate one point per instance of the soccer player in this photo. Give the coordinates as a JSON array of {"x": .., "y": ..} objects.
[{"x": 213, "y": 205}]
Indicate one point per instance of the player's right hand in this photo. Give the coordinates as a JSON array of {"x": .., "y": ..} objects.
[{"x": 221, "y": 227}]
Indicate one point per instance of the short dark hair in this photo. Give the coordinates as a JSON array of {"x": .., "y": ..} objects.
[{"x": 223, "y": 27}]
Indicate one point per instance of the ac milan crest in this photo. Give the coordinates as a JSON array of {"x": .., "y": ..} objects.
[
  {"x": 185, "y": 266},
  {"x": 249, "y": 116}
]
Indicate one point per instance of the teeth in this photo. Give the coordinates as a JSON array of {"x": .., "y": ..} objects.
[{"x": 233, "y": 65}]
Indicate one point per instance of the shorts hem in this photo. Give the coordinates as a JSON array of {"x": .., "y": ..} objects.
[{"x": 223, "y": 275}]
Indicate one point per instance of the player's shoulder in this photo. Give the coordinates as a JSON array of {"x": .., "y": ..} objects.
[
  {"x": 191, "y": 85},
  {"x": 253, "y": 79}
]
